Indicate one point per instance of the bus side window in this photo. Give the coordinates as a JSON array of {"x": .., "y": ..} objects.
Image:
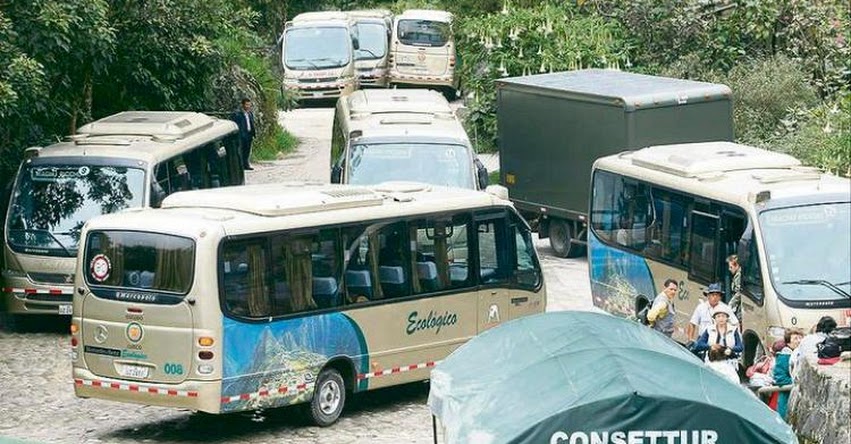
[
  {"x": 494, "y": 250},
  {"x": 244, "y": 270},
  {"x": 751, "y": 271},
  {"x": 526, "y": 272},
  {"x": 622, "y": 210},
  {"x": 668, "y": 234},
  {"x": 703, "y": 259}
]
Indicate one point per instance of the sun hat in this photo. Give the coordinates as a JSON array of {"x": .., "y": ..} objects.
[
  {"x": 719, "y": 309},
  {"x": 714, "y": 287}
]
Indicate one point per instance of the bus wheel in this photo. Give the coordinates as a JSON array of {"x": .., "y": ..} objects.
[
  {"x": 329, "y": 396},
  {"x": 561, "y": 233}
]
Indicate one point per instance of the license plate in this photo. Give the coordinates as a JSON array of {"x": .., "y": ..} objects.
[
  {"x": 133, "y": 371},
  {"x": 317, "y": 94},
  {"x": 65, "y": 309}
]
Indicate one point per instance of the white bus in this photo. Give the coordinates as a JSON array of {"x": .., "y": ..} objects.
[
  {"x": 677, "y": 211},
  {"x": 269, "y": 295},
  {"x": 130, "y": 159},
  {"x": 422, "y": 49},
  {"x": 373, "y": 28},
  {"x": 317, "y": 55},
  {"x": 402, "y": 135}
]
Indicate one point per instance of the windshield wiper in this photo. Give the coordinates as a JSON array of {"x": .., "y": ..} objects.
[
  {"x": 374, "y": 55},
  {"x": 821, "y": 282},
  {"x": 309, "y": 62},
  {"x": 26, "y": 230}
]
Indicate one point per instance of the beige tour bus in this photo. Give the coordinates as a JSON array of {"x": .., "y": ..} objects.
[
  {"x": 270, "y": 295},
  {"x": 130, "y": 159},
  {"x": 422, "y": 49},
  {"x": 373, "y": 27},
  {"x": 677, "y": 212},
  {"x": 402, "y": 135},
  {"x": 317, "y": 55}
]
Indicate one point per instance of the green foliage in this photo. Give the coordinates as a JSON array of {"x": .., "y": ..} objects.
[
  {"x": 274, "y": 144},
  {"x": 763, "y": 92},
  {"x": 529, "y": 41},
  {"x": 819, "y": 136}
]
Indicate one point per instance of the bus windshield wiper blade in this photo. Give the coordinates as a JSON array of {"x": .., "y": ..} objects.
[
  {"x": 309, "y": 62},
  {"x": 821, "y": 282},
  {"x": 55, "y": 239}
]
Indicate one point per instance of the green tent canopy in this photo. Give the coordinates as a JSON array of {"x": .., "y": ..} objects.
[{"x": 587, "y": 378}]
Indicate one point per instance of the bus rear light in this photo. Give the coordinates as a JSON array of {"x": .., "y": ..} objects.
[
  {"x": 74, "y": 329},
  {"x": 73, "y": 342},
  {"x": 452, "y": 62},
  {"x": 205, "y": 341},
  {"x": 205, "y": 355},
  {"x": 205, "y": 369}
]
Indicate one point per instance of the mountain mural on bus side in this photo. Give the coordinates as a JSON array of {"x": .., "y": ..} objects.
[
  {"x": 617, "y": 277},
  {"x": 287, "y": 353}
]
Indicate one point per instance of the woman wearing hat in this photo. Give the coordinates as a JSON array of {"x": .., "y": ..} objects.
[{"x": 721, "y": 336}]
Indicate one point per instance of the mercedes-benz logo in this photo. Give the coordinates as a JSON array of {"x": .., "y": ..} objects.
[{"x": 101, "y": 333}]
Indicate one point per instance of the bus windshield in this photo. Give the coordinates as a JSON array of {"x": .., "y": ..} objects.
[
  {"x": 52, "y": 202},
  {"x": 423, "y": 33},
  {"x": 317, "y": 48},
  {"x": 373, "y": 41},
  {"x": 809, "y": 251},
  {"x": 434, "y": 163}
]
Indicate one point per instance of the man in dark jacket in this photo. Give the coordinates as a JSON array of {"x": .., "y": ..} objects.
[{"x": 244, "y": 119}]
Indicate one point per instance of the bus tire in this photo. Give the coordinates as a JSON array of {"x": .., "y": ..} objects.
[
  {"x": 329, "y": 397},
  {"x": 561, "y": 233}
]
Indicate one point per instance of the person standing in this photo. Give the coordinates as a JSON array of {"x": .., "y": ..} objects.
[
  {"x": 662, "y": 313},
  {"x": 784, "y": 368},
  {"x": 701, "y": 319},
  {"x": 244, "y": 119},
  {"x": 721, "y": 337},
  {"x": 735, "y": 284}
]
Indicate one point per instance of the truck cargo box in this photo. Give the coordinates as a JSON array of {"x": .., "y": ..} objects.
[{"x": 552, "y": 127}]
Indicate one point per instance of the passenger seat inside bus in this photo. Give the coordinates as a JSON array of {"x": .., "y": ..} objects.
[
  {"x": 427, "y": 274},
  {"x": 326, "y": 294},
  {"x": 393, "y": 281},
  {"x": 358, "y": 283}
]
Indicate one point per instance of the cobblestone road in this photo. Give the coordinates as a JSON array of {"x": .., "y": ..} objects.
[{"x": 37, "y": 400}]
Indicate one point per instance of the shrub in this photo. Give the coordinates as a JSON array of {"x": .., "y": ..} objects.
[{"x": 528, "y": 41}]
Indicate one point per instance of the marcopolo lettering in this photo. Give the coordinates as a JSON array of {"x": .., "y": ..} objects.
[
  {"x": 637, "y": 437},
  {"x": 432, "y": 321},
  {"x": 135, "y": 297}
]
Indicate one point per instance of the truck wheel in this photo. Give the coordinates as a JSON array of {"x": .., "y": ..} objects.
[
  {"x": 329, "y": 397},
  {"x": 561, "y": 232}
]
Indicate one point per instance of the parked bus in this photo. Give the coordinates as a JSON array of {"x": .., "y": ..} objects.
[
  {"x": 130, "y": 159},
  {"x": 422, "y": 49},
  {"x": 270, "y": 295},
  {"x": 402, "y": 135},
  {"x": 677, "y": 211},
  {"x": 317, "y": 55},
  {"x": 373, "y": 30}
]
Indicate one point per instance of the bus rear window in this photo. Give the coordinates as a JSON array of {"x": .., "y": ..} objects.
[
  {"x": 423, "y": 33},
  {"x": 139, "y": 260}
]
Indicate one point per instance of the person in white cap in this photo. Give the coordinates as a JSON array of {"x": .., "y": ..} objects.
[
  {"x": 701, "y": 319},
  {"x": 721, "y": 336}
]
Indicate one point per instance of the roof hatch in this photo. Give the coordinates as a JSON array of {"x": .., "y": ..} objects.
[
  {"x": 165, "y": 125},
  {"x": 709, "y": 159}
]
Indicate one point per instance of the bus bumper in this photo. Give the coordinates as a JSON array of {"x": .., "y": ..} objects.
[
  {"x": 203, "y": 396},
  {"x": 320, "y": 91},
  {"x": 22, "y": 296},
  {"x": 413, "y": 79},
  {"x": 373, "y": 77}
]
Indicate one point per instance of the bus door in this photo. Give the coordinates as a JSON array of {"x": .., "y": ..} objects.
[
  {"x": 494, "y": 270},
  {"x": 135, "y": 322},
  {"x": 527, "y": 293},
  {"x": 704, "y": 254}
]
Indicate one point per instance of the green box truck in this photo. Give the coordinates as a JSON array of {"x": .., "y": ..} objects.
[{"x": 552, "y": 127}]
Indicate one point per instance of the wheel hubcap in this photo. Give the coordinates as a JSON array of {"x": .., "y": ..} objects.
[{"x": 329, "y": 397}]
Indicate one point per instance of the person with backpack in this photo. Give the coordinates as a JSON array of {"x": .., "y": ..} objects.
[
  {"x": 662, "y": 313},
  {"x": 808, "y": 349}
]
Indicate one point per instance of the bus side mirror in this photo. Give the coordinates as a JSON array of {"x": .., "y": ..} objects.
[
  {"x": 481, "y": 174},
  {"x": 355, "y": 43},
  {"x": 336, "y": 173},
  {"x": 157, "y": 195}
]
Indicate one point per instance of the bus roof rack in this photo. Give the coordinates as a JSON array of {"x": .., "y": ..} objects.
[
  {"x": 709, "y": 159},
  {"x": 166, "y": 125}
]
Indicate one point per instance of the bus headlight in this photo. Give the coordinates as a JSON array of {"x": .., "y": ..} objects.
[
  {"x": 205, "y": 369},
  {"x": 776, "y": 332}
]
